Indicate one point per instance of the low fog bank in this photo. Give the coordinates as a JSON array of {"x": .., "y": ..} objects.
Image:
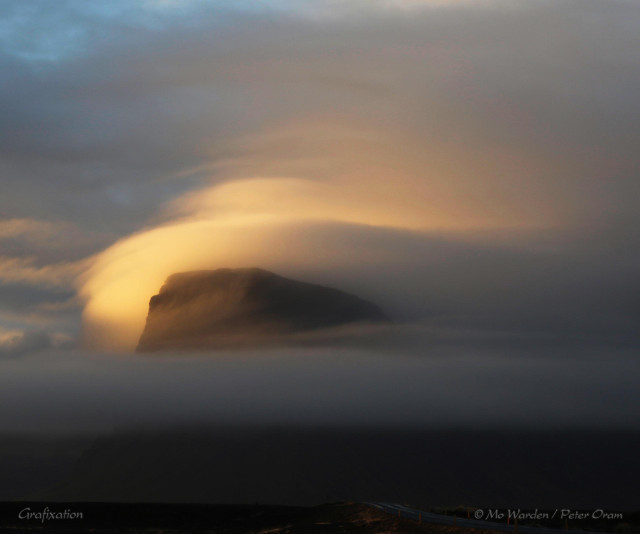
[{"x": 425, "y": 382}]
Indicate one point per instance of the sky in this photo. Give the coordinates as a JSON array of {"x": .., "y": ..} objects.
[{"x": 470, "y": 166}]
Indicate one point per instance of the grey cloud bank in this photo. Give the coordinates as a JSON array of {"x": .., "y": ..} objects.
[{"x": 446, "y": 386}]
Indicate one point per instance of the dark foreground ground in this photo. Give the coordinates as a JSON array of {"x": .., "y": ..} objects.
[
  {"x": 177, "y": 518},
  {"x": 585, "y": 469}
]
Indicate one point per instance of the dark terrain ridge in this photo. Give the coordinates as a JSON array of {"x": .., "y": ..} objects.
[{"x": 246, "y": 307}]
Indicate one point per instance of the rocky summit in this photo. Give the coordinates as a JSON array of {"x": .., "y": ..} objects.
[{"x": 245, "y": 307}]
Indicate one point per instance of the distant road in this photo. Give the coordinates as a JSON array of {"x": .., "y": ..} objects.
[{"x": 439, "y": 519}]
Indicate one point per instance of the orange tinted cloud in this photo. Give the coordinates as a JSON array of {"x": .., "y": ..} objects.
[{"x": 319, "y": 175}]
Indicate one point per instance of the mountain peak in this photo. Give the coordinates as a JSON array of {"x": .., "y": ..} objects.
[{"x": 245, "y": 307}]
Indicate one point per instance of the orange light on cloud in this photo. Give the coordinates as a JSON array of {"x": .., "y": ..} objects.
[{"x": 314, "y": 173}]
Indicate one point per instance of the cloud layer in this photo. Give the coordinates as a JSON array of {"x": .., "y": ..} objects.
[
  {"x": 469, "y": 165},
  {"x": 472, "y": 386}
]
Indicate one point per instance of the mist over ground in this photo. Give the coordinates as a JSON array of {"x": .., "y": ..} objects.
[
  {"x": 433, "y": 383},
  {"x": 436, "y": 423}
]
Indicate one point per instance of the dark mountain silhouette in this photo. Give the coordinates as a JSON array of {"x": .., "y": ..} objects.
[{"x": 244, "y": 307}]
